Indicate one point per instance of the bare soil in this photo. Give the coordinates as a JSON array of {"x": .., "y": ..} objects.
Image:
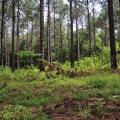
[{"x": 89, "y": 109}]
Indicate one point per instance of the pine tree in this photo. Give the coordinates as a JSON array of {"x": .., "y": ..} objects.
[{"x": 112, "y": 35}]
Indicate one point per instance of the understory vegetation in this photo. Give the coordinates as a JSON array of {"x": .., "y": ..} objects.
[
  {"x": 59, "y": 59},
  {"x": 32, "y": 95}
]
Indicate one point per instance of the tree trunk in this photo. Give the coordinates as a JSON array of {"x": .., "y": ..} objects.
[
  {"x": 119, "y": 21},
  {"x": 77, "y": 36},
  {"x": 6, "y": 49},
  {"x": 78, "y": 41},
  {"x": 89, "y": 29},
  {"x": 119, "y": 3},
  {"x": 105, "y": 37},
  {"x": 31, "y": 40},
  {"x": 72, "y": 48},
  {"x": 2, "y": 28},
  {"x": 18, "y": 26},
  {"x": 48, "y": 34},
  {"x": 4, "y": 46},
  {"x": 41, "y": 65},
  {"x": 54, "y": 30},
  {"x": 41, "y": 26},
  {"x": 101, "y": 25},
  {"x": 83, "y": 36},
  {"x": 94, "y": 27},
  {"x": 61, "y": 43},
  {"x": 68, "y": 36},
  {"x": 13, "y": 34},
  {"x": 112, "y": 35},
  {"x": 27, "y": 35}
]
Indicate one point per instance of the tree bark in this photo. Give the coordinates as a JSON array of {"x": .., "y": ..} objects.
[
  {"x": 119, "y": 3},
  {"x": 54, "y": 30},
  {"x": 112, "y": 36},
  {"x": 48, "y": 34},
  {"x": 77, "y": 36},
  {"x": 41, "y": 64},
  {"x": 32, "y": 33},
  {"x": 18, "y": 26},
  {"x": 2, "y": 28},
  {"x": 68, "y": 36},
  {"x": 41, "y": 26},
  {"x": 119, "y": 20},
  {"x": 72, "y": 48},
  {"x": 13, "y": 34},
  {"x": 89, "y": 29},
  {"x": 61, "y": 43},
  {"x": 94, "y": 26}
]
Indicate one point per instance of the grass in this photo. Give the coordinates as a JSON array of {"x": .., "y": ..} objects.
[{"x": 30, "y": 90}]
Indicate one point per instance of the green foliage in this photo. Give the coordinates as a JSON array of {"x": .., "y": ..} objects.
[
  {"x": 26, "y": 74},
  {"x": 15, "y": 113},
  {"x": 31, "y": 98},
  {"x": 5, "y": 74},
  {"x": 30, "y": 74},
  {"x": 18, "y": 112},
  {"x": 26, "y": 54},
  {"x": 81, "y": 96},
  {"x": 118, "y": 53},
  {"x": 104, "y": 56},
  {"x": 100, "y": 61},
  {"x": 33, "y": 89},
  {"x": 27, "y": 57},
  {"x": 98, "y": 83}
]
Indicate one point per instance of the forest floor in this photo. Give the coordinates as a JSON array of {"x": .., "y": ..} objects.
[{"x": 32, "y": 95}]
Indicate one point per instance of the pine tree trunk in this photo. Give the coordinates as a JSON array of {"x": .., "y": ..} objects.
[
  {"x": 18, "y": 36},
  {"x": 54, "y": 30},
  {"x": 13, "y": 35},
  {"x": 77, "y": 36},
  {"x": 6, "y": 49},
  {"x": 27, "y": 35},
  {"x": 119, "y": 21},
  {"x": 61, "y": 43},
  {"x": 41, "y": 26},
  {"x": 105, "y": 43},
  {"x": 2, "y": 28},
  {"x": 72, "y": 47},
  {"x": 41, "y": 64},
  {"x": 48, "y": 34},
  {"x": 68, "y": 36},
  {"x": 94, "y": 27},
  {"x": 112, "y": 35},
  {"x": 82, "y": 40},
  {"x": 119, "y": 3},
  {"x": 89, "y": 29},
  {"x": 31, "y": 40}
]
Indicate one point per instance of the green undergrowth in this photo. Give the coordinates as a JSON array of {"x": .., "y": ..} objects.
[
  {"x": 24, "y": 92},
  {"x": 99, "y": 61}
]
